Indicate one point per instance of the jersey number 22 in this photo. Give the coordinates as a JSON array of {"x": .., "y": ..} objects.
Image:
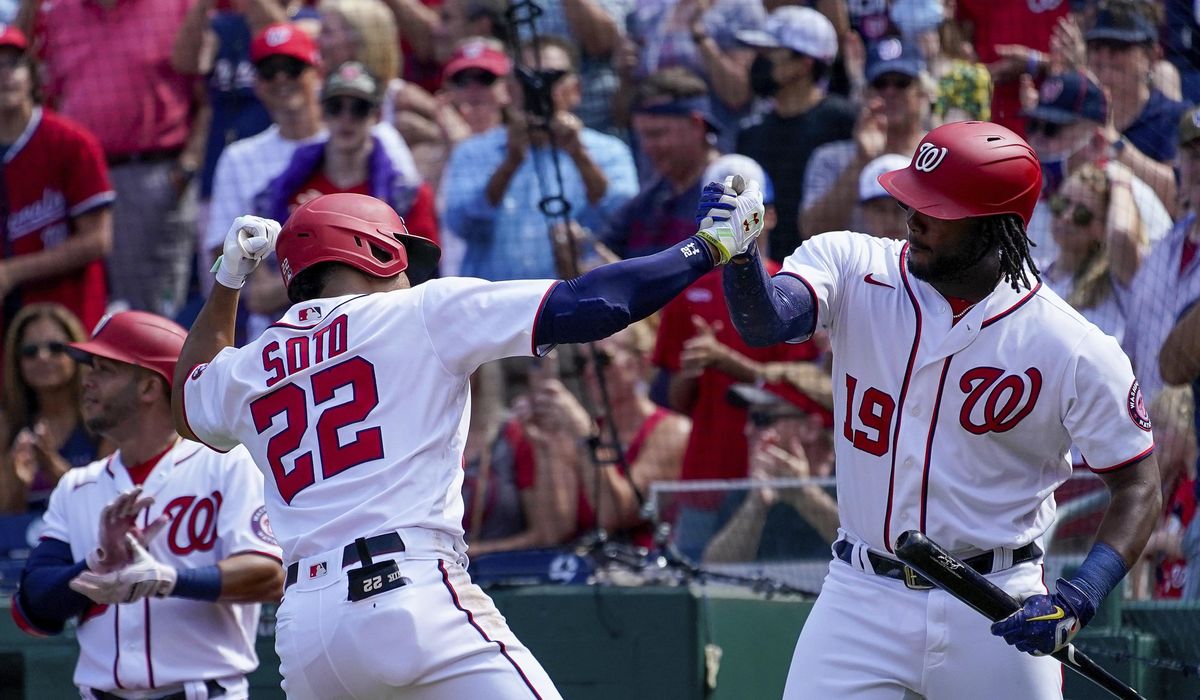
[{"x": 291, "y": 400}]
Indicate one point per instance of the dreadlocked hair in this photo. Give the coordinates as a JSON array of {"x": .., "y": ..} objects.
[{"x": 1007, "y": 232}]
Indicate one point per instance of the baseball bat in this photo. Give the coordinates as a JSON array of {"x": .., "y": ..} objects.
[
  {"x": 950, "y": 574},
  {"x": 739, "y": 184}
]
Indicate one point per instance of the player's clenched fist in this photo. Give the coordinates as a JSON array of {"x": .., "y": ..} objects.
[
  {"x": 1047, "y": 623},
  {"x": 250, "y": 239},
  {"x": 730, "y": 216}
]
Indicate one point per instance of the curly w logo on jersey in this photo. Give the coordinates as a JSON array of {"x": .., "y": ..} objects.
[{"x": 1006, "y": 399}]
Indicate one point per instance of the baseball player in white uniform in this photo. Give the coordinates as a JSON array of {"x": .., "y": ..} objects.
[
  {"x": 960, "y": 384},
  {"x": 163, "y": 550},
  {"x": 355, "y": 406}
]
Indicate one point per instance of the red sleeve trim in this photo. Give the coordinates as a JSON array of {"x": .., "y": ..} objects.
[
  {"x": 188, "y": 424},
  {"x": 24, "y": 623},
  {"x": 1145, "y": 453},
  {"x": 533, "y": 348}
]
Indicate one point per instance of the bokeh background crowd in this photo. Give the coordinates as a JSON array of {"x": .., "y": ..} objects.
[{"x": 133, "y": 132}]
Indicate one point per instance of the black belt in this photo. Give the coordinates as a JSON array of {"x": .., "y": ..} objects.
[
  {"x": 157, "y": 155},
  {"x": 387, "y": 543},
  {"x": 215, "y": 690},
  {"x": 894, "y": 568}
]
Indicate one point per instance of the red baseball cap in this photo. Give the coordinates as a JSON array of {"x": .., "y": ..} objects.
[
  {"x": 284, "y": 40},
  {"x": 11, "y": 36},
  {"x": 477, "y": 54},
  {"x": 135, "y": 338}
]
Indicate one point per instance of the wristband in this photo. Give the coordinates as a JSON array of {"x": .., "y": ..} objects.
[
  {"x": 200, "y": 583},
  {"x": 1099, "y": 573}
]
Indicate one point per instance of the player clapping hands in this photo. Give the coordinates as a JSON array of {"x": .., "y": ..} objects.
[{"x": 120, "y": 570}]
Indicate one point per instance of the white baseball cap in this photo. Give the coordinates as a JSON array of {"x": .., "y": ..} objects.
[
  {"x": 801, "y": 29},
  {"x": 868, "y": 180}
]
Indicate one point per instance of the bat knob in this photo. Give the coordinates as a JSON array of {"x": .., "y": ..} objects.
[{"x": 739, "y": 184}]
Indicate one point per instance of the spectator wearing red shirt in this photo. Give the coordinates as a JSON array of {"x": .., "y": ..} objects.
[
  {"x": 701, "y": 355},
  {"x": 107, "y": 65},
  {"x": 55, "y": 199},
  {"x": 995, "y": 29},
  {"x": 701, "y": 352}
]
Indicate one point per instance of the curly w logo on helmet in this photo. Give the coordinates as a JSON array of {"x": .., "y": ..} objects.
[{"x": 929, "y": 157}]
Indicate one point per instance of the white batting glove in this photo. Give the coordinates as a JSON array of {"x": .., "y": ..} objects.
[
  {"x": 250, "y": 239},
  {"x": 735, "y": 231},
  {"x": 144, "y": 576}
]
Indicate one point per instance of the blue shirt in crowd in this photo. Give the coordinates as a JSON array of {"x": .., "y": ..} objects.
[
  {"x": 511, "y": 240},
  {"x": 656, "y": 218},
  {"x": 1155, "y": 132},
  {"x": 236, "y": 111}
]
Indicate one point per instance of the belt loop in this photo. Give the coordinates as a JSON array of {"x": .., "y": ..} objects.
[
  {"x": 860, "y": 558},
  {"x": 1002, "y": 558},
  {"x": 364, "y": 556}
]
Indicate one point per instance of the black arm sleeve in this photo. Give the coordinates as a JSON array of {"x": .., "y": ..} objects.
[
  {"x": 609, "y": 298},
  {"x": 767, "y": 310}
]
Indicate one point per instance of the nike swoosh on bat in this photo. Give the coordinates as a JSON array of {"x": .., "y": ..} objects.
[
  {"x": 1058, "y": 614},
  {"x": 870, "y": 279}
]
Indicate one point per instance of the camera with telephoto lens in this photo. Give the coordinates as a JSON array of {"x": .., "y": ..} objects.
[{"x": 537, "y": 86}]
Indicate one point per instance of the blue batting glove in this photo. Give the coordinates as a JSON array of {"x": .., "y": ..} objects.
[
  {"x": 717, "y": 202},
  {"x": 1047, "y": 623}
]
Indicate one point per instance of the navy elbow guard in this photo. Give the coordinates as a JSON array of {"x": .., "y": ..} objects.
[{"x": 768, "y": 310}]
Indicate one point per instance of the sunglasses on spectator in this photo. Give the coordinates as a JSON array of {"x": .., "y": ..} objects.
[
  {"x": 268, "y": 68},
  {"x": 54, "y": 347},
  {"x": 1080, "y": 215},
  {"x": 1040, "y": 126},
  {"x": 900, "y": 82},
  {"x": 358, "y": 108},
  {"x": 473, "y": 76}
]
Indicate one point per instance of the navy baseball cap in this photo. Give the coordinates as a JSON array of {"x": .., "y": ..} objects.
[
  {"x": 1068, "y": 97},
  {"x": 1126, "y": 25},
  {"x": 894, "y": 55}
]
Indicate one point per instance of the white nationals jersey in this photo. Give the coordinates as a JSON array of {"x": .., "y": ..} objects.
[
  {"x": 356, "y": 407},
  {"x": 216, "y": 506},
  {"x": 960, "y": 431}
]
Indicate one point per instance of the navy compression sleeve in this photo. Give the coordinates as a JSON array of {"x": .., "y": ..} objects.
[
  {"x": 768, "y": 310},
  {"x": 597, "y": 304},
  {"x": 44, "y": 598}
]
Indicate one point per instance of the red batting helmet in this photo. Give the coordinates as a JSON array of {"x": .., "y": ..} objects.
[
  {"x": 967, "y": 169},
  {"x": 360, "y": 231},
  {"x": 136, "y": 338}
]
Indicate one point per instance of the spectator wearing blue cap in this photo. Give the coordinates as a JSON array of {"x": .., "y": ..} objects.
[
  {"x": 797, "y": 46},
  {"x": 1121, "y": 50},
  {"x": 1067, "y": 130},
  {"x": 673, "y": 124},
  {"x": 894, "y": 117}
]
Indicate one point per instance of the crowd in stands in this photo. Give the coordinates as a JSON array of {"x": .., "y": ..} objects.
[{"x": 132, "y": 132}]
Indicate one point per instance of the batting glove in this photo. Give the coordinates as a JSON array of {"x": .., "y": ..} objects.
[
  {"x": 732, "y": 232},
  {"x": 1047, "y": 623},
  {"x": 116, "y": 520},
  {"x": 250, "y": 239},
  {"x": 144, "y": 576}
]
